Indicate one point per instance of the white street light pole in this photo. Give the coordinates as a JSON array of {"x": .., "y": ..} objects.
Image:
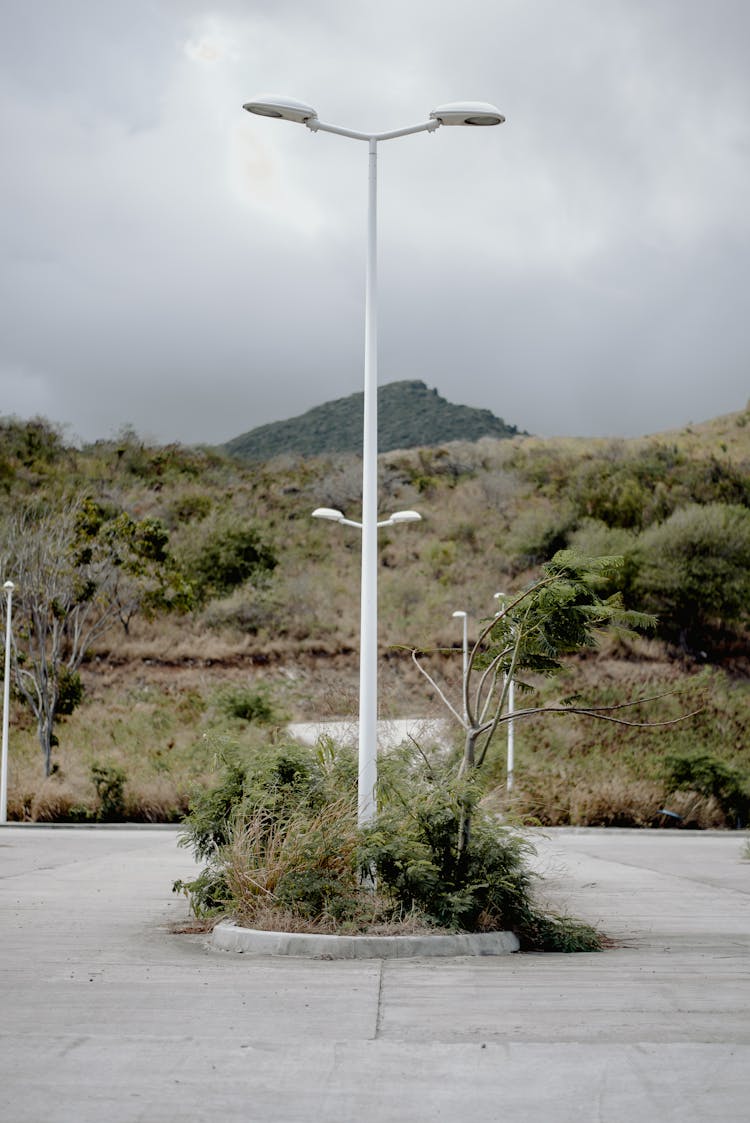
[
  {"x": 510, "y": 759},
  {"x": 465, "y": 648},
  {"x": 8, "y": 587},
  {"x": 457, "y": 113},
  {"x": 510, "y": 763}
]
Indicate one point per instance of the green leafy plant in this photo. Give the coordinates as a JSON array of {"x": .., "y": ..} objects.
[
  {"x": 249, "y": 704},
  {"x": 69, "y": 691},
  {"x": 705, "y": 773},
  {"x": 278, "y": 837},
  {"x": 558, "y": 615},
  {"x": 109, "y": 781},
  {"x": 417, "y": 848},
  {"x": 225, "y": 556},
  {"x": 694, "y": 571}
]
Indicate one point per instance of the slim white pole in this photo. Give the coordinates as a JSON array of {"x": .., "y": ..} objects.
[
  {"x": 368, "y": 665},
  {"x": 511, "y": 703},
  {"x": 510, "y": 761},
  {"x": 8, "y": 587},
  {"x": 465, "y": 664}
]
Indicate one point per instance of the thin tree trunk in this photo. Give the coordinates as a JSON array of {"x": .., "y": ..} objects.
[
  {"x": 465, "y": 771},
  {"x": 44, "y": 729}
]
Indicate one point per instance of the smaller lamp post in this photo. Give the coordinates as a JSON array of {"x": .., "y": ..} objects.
[
  {"x": 510, "y": 763},
  {"x": 460, "y": 614},
  {"x": 8, "y": 587}
]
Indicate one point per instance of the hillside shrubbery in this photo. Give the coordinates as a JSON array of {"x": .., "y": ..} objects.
[
  {"x": 232, "y": 546},
  {"x": 682, "y": 524}
]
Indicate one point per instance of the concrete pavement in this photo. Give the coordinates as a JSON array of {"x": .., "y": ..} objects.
[{"x": 108, "y": 1015}]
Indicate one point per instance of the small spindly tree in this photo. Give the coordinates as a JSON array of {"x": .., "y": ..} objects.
[
  {"x": 68, "y": 566},
  {"x": 558, "y": 615}
]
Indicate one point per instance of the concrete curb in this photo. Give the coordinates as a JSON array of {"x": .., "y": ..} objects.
[{"x": 228, "y": 936}]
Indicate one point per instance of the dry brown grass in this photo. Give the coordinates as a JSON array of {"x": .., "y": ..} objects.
[
  {"x": 309, "y": 845},
  {"x": 616, "y": 802},
  {"x": 159, "y": 800},
  {"x": 263, "y": 851},
  {"x": 270, "y": 918},
  {"x": 54, "y": 800}
]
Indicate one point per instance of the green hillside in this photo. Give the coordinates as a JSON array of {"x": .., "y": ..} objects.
[
  {"x": 410, "y": 415},
  {"x": 230, "y": 607}
]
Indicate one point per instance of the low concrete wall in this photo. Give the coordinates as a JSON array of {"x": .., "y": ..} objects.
[{"x": 390, "y": 733}]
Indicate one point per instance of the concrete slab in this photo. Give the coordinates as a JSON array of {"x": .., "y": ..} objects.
[{"x": 109, "y": 1015}]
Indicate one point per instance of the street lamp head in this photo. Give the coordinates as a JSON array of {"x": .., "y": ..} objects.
[
  {"x": 283, "y": 108},
  {"x": 328, "y": 513},
  {"x": 405, "y": 517},
  {"x": 467, "y": 113},
  {"x": 459, "y": 612},
  {"x": 8, "y": 586}
]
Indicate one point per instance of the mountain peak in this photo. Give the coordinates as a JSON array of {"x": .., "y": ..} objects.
[{"x": 410, "y": 415}]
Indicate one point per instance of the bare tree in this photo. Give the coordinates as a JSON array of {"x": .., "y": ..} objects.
[
  {"x": 556, "y": 616},
  {"x": 67, "y": 565}
]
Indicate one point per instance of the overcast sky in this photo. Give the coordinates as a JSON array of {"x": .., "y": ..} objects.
[{"x": 174, "y": 263}]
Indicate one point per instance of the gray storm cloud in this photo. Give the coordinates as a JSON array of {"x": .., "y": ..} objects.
[{"x": 173, "y": 263}]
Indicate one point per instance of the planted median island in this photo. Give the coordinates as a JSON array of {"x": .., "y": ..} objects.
[{"x": 278, "y": 835}]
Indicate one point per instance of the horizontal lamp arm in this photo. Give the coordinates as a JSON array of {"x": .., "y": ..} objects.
[{"x": 315, "y": 126}]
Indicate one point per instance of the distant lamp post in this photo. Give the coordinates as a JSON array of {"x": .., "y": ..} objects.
[
  {"x": 455, "y": 113},
  {"x": 8, "y": 588},
  {"x": 460, "y": 614},
  {"x": 510, "y": 764}
]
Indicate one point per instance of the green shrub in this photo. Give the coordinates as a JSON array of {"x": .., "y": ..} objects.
[
  {"x": 487, "y": 886},
  {"x": 109, "y": 781},
  {"x": 193, "y": 506},
  {"x": 539, "y": 533},
  {"x": 280, "y": 838},
  {"x": 249, "y": 704},
  {"x": 705, "y": 773},
  {"x": 225, "y": 557},
  {"x": 276, "y": 779},
  {"x": 274, "y": 831},
  {"x": 69, "y": 691},
  {"x": 208, "y": 893},
  {"x": 693, "y": 571}
]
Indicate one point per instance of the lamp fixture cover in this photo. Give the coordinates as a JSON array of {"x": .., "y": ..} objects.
[
  {"x": 285, "y": 108},
  {"x": 468, "y": 113}
]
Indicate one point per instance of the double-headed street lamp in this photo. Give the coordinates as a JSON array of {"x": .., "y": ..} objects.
[{"x": 457, "y": 113}]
